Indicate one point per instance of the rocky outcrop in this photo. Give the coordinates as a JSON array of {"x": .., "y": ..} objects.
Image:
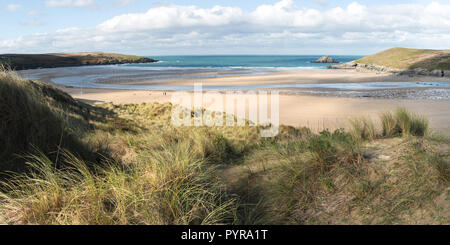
[
  {"x": 362, "y": 67},
  {"x": 409, "y": 72},
  {"x": 325, "y": 59},
  {"x": 348, "y": 65},
  {"x": 425, "y": 72}
]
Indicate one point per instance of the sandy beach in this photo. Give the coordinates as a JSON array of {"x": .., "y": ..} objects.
[
  {"x": 225, "y": 113},
  {"x": 317, "y": 112},
  {"x": 304, "y": 77},
  {"x": 142, "y": 77}
]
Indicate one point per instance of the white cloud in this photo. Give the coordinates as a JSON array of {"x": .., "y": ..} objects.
[
  {"x": 173, "y": 16},
  {"x": 13, "y": 7},
  {"x": 282, "y": 27},
  {"x": 71, "y": 3}
]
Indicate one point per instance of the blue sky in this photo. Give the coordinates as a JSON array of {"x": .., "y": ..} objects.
[{"x": 222, "y": 26}]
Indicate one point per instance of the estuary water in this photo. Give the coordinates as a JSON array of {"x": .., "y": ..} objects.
[
  {"x": 179, "y": 67},
  {"x": 155, "y": 76}
]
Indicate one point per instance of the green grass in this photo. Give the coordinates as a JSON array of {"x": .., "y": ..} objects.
[
  {"x": 401, "y": 122},
  {"x": 34, "y": 115},
  {"x": 303, "y": 179},
  {"x": 403, "y": 58},
  {"x": 363, "y": 129},
  {"x": 389, "y": 124},
  {"x": 32, "y": 61},
  {"x": 405, "y": 123},
  {"x": 126, "y": 164},
  {"x": 169, "y": 187}
]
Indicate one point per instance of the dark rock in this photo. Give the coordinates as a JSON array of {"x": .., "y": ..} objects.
[
  {"x": 421, "y": 71},
  {"x": 348, "y": 65},
  {"x": 406, "y": 72},
  {"x": 436, "y": 73},
  {"x": 325, "y": 59}
]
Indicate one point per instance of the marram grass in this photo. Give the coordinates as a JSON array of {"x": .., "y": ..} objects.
[
  {"x": 166, "y": 187},
  {"x": 130, "y": 166}
]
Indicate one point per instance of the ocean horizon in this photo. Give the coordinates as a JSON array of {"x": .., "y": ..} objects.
[
  {"x": 178, "y": 67},
  {"x": 242, "y": 61}
]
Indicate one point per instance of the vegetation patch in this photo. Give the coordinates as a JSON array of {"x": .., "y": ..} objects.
[
  {"x": 404, "y": 58},
  {"x": 126, "y": 164},
  {"x": 33, "y": 61}
]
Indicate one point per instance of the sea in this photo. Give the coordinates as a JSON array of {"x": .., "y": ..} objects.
[
  {"x": 257, "y": 62},
  {"x": 155, "y": 76},
  {"x": 177, "y": 67}
]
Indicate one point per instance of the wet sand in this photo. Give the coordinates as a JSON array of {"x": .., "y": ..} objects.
[
  {"x": 306, "y": 77},
  {"x": 104, "y": 77}
]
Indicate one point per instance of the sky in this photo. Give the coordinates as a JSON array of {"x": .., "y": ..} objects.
[{"x": 207, "y": 27}]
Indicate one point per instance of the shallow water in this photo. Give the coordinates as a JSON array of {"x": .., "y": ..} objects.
[
  {"x": 110, "y": 77},
  {"x": 127, "y": 77},
  {"x": 76, "y": 82},
  {"x": 78, "y": 76},
  {"x": 181, "y": 67}
]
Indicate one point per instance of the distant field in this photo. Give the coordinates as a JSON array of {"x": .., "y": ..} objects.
[
  {"x": 33, "y": 61},
  {"x": 403, "y": 58}
]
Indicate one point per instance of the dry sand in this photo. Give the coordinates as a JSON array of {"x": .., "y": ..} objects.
[
  {"x": 298, "y": 110},
  {"x": 301, "y": 110}
]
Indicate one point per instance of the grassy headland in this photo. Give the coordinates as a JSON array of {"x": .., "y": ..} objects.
[
  {"x": 126, "y": 164},
  {"x": 406, "y": 61},
  {"x": 33, "y": 61},
  {"x": 404, "y": 58}
]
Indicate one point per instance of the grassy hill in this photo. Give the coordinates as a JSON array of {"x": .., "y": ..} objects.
[
  {"x": 403, "y": 58},
  {"x": 32, "y": 61},
  {"x": 74, "y": 163},
  {"x": 39, "y": 117}
]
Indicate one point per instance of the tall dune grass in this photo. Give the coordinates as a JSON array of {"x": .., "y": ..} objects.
[
  {"x": 154, "y": 173},
  {"x": 26, "y": 121},
  {"x": 389, "y": 124},
  {"x": 35, "y": 115},
  {"x": 170, "y": 187},
  {"x": 363, "y": 129},
  {"x": 402, "y": 122}
]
